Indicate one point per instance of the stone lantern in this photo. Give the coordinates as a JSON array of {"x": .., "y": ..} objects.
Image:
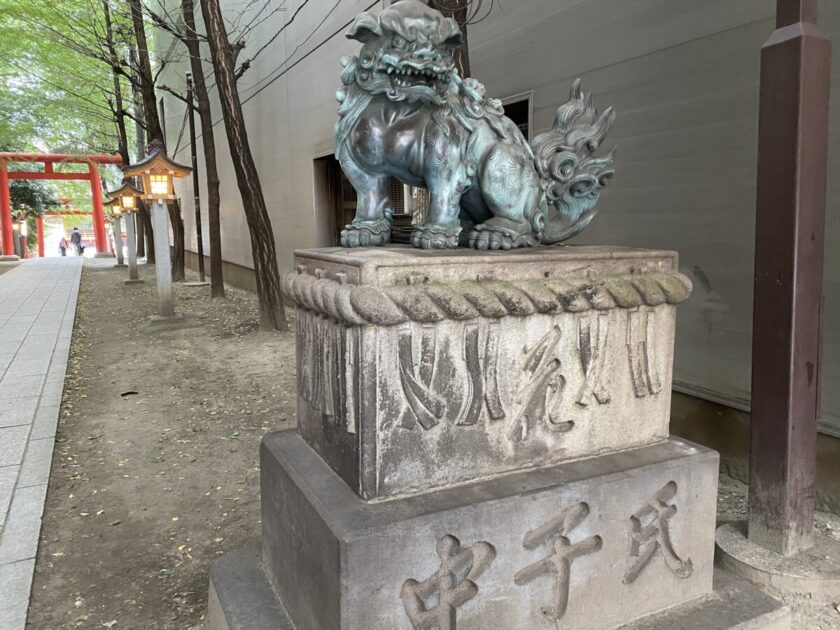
[
  {"x": 117, "y": 213},
  {"x": 125, "y": 198},
  {"x": 158, "y": 173}
]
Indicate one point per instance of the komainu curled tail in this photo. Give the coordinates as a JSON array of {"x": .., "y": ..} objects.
[{"x": 571, "y": 178}]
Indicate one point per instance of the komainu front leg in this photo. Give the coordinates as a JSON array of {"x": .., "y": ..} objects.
[
  {"x": 372, "y": 224},
  {"x": 442, "y": 226}
]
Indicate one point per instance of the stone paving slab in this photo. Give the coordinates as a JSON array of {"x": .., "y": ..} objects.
[
  {"x": 15, "y": 584},
  {"x": 12, "y": 444},
  {"x": 8, "y": 478},
  {"x": 23, "y": 524},
  {"x": 37, "y": 311},
  {"x": 21, "y": 411}
]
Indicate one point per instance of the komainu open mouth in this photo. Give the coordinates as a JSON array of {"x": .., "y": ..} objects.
[{"x": 407, "y": 76}]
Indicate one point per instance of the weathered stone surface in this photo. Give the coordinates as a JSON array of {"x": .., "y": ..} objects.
[
  {"x": 242, "y": 599},
  {"x": 421, "y": 369},
  {"x": 733, "y": 605},
  {"x": 589, "y": 544}
]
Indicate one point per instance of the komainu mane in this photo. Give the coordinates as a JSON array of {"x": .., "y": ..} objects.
[{"x": 406, "y": 113}]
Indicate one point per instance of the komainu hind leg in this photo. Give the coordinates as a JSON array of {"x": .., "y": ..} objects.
[
  {"x": 510, "y": 188},
  {"x": 501, "y": 233}
]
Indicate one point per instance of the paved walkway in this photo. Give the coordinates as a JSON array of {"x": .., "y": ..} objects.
[{"x": 37, "y": 309}]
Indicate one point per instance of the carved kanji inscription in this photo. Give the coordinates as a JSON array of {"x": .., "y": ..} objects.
[
  {"x": 558, "y": 564},
  {"x": 650, "y": 532},
  {"x": 433, "y": 603}
]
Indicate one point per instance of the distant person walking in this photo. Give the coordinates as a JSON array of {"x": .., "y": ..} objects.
[
  {"x": 62, "y": 246},
  {"x": 76, "y": 241}
]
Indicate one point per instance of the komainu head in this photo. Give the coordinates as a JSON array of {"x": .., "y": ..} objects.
[{"x": 407, "y": 52}]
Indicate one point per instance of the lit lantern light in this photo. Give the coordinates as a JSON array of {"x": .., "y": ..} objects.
[
  {"x": 158, "y": 173},
  {"x": 125, "y": 197},
  {"x": 115, "y": 203}
]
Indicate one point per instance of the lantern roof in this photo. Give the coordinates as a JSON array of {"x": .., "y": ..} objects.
[
  {"x": 156, "y": 161},
  {"x": 113, "y": 201},
  {"x": 124, "y": 190}
]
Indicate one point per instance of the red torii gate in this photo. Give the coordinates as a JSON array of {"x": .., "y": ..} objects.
[{"x": 48, "y": 160}]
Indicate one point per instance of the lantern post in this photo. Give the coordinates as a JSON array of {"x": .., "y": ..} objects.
[
  {"x": 158, "y": 173},
  {"x": 116, "y": 217}
]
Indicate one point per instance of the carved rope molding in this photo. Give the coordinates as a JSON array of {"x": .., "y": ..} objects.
[{"x": 430, "y": 303}]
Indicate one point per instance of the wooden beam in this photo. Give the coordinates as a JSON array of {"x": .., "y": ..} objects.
[
  {"x": 790, "y": 12},
  {"x": 789, "y": 241},
  {"x": 67, "y": 158},
  {"x": 48, "y": 176}
]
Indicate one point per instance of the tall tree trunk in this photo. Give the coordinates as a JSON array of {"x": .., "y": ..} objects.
[
  {"x": 208, "y": 143},
  {"x": 145, "y": 235},
  {"x": 459, "y": 10},
  {"x": 119, "y": 107},
  {"x": 272, "y": 314},
  {"x": 144, "y": 218},
  {"x": 174, "y": 209},
  {"x": 144, "y": 73},
  {"x": 154, "y": 128}
]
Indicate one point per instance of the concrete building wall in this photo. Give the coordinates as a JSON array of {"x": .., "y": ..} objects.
[{"x": 683, "y": 77}]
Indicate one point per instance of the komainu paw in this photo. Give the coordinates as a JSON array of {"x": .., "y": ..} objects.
[
  {"x": 499, "y": 233},
  {"x": 436, "y": 237},
  {"x": 366, "y": 233}
]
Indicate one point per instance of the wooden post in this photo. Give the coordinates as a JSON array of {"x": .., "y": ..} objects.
[
  {"x": 98, "y": 211},
  {"x": 789, "y": 237},
  {"x": 6, "y": 211},
  {"x": 39, "y": 224}
]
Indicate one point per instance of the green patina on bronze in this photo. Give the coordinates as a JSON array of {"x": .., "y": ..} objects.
[{"x": 406, "y": 113}]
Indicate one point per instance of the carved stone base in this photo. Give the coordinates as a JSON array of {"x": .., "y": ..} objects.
[
  {"x": 591, "y": 544},
  {"x": 241, "y": 598},
  {"x": 422, "y": 369}
]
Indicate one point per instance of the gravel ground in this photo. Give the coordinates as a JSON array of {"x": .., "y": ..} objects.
[{"x": 155, "y": 472}]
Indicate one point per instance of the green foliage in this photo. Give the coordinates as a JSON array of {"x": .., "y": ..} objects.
[
  {"x": 31, "y": 197},
  {"x": 55, "y": 86}
]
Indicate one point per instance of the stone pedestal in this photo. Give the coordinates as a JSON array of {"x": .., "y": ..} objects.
[
  {"x": 163, "y": 262},
  {"x": 531, "y": 549},
  {"x": 9, "y": 259},
  {"x": 131, "y": 237},
  {"x": 483, "y": 442},
  {"x": 118, "y": 248}
]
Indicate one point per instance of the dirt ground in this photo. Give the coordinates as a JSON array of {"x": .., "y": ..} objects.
[{"x": 155, "y": 471}]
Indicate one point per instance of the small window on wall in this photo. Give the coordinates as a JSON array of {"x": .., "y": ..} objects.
[{"x": 518, "y": 109}]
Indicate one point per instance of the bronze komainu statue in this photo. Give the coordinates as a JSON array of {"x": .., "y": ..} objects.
[{"x": 406, "y": 113}]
